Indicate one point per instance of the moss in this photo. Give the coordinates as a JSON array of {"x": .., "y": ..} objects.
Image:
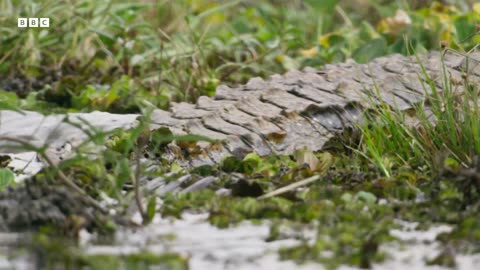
[{"x": 134, "y": 261}]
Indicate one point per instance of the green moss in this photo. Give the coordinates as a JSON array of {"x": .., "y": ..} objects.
[
  {"x": 63, "y": 253},
  {"x": 134, "y": 261}
]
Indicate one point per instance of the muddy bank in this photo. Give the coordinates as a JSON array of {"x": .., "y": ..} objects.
[{"x": 36, "y": 203}]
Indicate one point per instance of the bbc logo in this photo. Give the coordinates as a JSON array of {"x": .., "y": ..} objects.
[{"x": 33, "y": 22}]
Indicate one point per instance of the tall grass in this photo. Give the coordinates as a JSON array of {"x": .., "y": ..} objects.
[{"x": 447, "y": 127}]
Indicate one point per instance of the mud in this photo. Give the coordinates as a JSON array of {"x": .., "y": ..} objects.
[{"x": 36, "y": 203}]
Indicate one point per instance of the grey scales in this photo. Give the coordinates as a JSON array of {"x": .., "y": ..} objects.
[{"x": 300, "y": 109}]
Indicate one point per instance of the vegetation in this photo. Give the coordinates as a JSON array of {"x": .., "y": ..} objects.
[
  {"x": 107, "y": 55},
  {"x": 127, "y": 56}
]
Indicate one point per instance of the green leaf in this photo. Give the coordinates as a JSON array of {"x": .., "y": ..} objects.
[
  {"x": 7, "y": 107},
  {"x": 324, "y": 6},
  {"x": 451, "y": 164},
  {"x": 382, "y": 9},
  {"x": 161, "y": 137},
  {"x": 366, "y": 197},
  {"x": 8, "y": 101},
  {"x": 305, "y": 157},
  {"x": 346, "y": 197},
  {"x": 289, "y": 63},
  {"x": 204, "y": 170},
  {"x": 164, "y": 136},
  {"x": 230, "y": 164},
  {"x": 250, "y": 163},
  {"x": 6, "y": 178},
  {"x": 464, "y": 27},
  {"x": 122, "y": 173},
  {"x": 374, "y": 48},
  {"x": 152, "y": 202},
  {"x": 195, "y": 20}
]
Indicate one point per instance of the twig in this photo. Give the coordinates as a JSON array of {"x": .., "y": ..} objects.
[
  {"x": 290, "y": 187},
  {"x": 65, "y": 180}
]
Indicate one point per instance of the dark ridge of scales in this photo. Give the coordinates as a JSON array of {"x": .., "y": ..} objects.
[{"x": 304, "y": 109}]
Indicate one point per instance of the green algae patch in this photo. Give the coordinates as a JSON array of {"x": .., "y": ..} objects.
[
  {"x": 63, "y": 253},
  {"x": 134, "y": 261},
  {"x": 113, "y": 262},
  {"x": 352, "y": 207}
]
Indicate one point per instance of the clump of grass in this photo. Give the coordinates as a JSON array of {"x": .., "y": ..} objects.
[
  {"x": 447, "y": 129},
  {"x": 457, "y": 128}
]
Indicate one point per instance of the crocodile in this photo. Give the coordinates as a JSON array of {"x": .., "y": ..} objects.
[
  {"x": 300, "y": 109},
  {"x": 309, "y": 108}
]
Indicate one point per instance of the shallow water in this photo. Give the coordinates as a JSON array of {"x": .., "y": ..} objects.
[{"x": 238, "y": 247}]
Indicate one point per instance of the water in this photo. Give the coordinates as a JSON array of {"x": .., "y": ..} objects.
[{"x": 238, "y": 247}]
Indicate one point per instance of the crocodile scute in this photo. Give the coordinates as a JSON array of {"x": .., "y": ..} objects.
[
  {"x": 300, "y": 109},
  {"x": 306, "y": 109}
]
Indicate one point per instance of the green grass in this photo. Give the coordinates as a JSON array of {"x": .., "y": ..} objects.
[
  {"x": 447, "y": 129},
  {"x": 178, "y": 50}
]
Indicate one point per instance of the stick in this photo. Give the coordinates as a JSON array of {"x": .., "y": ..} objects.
[
  {"x": 290, "y": 187},
  {"x": 64, "y": 179}
]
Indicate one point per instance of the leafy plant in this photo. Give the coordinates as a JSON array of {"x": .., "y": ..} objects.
[{"x": 6, "y": 178}]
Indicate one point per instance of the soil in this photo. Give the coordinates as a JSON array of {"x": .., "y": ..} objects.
[{"x": 38, "y": 204}]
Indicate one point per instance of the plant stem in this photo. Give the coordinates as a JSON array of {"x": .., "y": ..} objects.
[
  {"x": 290, "y": 187},
  {"x": 138, "y": 195},
  {"x": 65, "y": 180}
]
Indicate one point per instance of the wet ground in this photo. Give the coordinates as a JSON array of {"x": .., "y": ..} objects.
[
  {"x": 243, "y": 246},
  {"x": 190, "y": 242}
]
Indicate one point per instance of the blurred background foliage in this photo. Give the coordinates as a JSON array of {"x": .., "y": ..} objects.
[{"x": 107, "y": 55}]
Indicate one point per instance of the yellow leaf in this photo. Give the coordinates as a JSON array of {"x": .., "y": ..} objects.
[
  {"x": 383, "y": 27},
  {"x": 476, "y": 39},
  {"x": 325, "y": 161},
  {"x": 444, "y": 18},
  {"x": 305, "y": 157},
  {"x": 316, "y": 162},
  {"x": 216, "y": 18},
  {"x": 309, "y": 52},
  {"x": 324, "y": 40},
  {"x": 396, "y": 23},
  {"x": 476, "y": 8},
  {"x": 447, "y": 34},
  {"x": 280, "y": 58}
]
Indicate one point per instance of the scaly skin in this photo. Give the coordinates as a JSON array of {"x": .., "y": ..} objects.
[
  {"x": 305, "y": 109},
  {"x": 300, "y": 109}
]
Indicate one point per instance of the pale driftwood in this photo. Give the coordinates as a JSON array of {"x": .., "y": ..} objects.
[{"x": 290, "y": 187}]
